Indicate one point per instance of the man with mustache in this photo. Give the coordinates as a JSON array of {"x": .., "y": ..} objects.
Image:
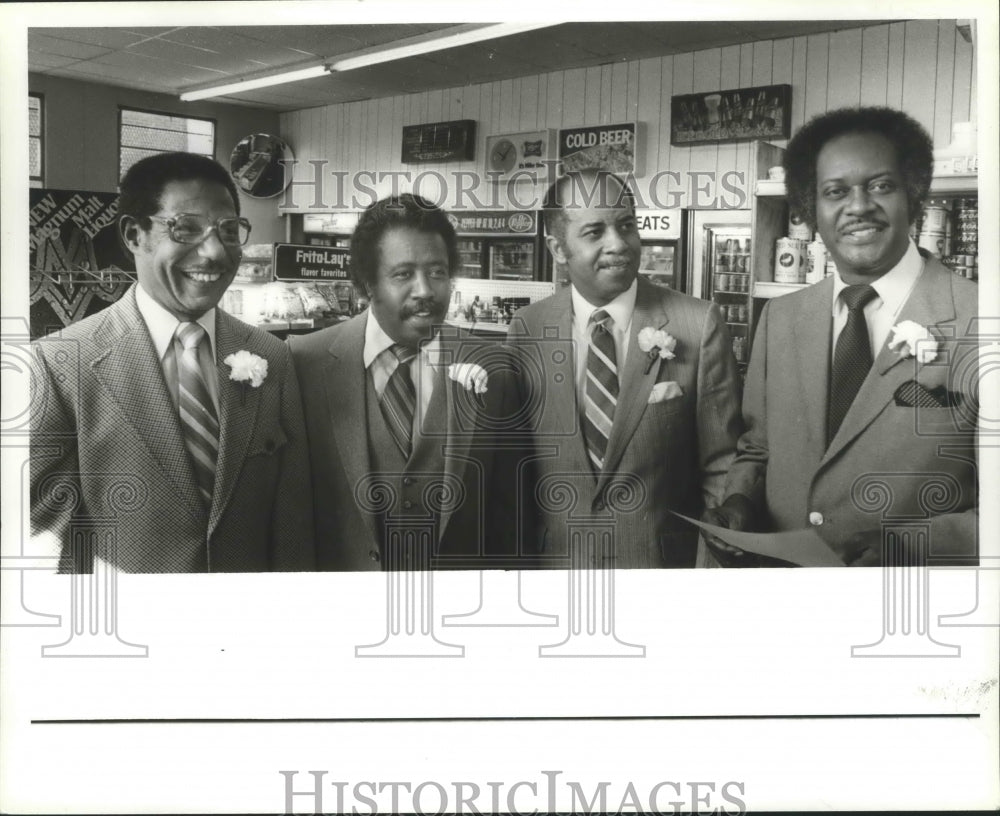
[
  {"x": 639, "y": 409},
  {"x": 402, "y": 411},
  {"x": 861, "y": 396},
  {"x": 163, "y": 416}
]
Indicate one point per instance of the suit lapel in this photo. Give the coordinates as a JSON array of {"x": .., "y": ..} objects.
[
  {"x": 811, "y": 340},
  {"x": 455, "y": 445},
  {"x": 128, "y": 369},
  {"x": 930, "y": 303},
  {"x": 637, "y": 377},
  {"x": 344, "y": 380},
  {"x": 238, "y": 408}
]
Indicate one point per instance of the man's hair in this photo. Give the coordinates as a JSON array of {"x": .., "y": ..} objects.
[
  {"x": 582, "y": 188},
  {"x": 405, "y": 210},
  {"x": 914, "y": 153},
  {"x": 143, "y": 183}
]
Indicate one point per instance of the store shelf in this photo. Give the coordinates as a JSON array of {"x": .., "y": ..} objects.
[
  {"x": 766, "y": 187},
  {"x": 768, "y": 289},
  {"x": 940, "y": 185}
]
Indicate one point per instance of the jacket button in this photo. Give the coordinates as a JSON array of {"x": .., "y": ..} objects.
[
  {"x": 374, "y": 556},
  {"x": 815, "y": 519},
  {"x": 407, "y": 480}
]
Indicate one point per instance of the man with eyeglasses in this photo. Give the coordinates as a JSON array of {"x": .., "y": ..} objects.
[{"x": 164, "y": 420}]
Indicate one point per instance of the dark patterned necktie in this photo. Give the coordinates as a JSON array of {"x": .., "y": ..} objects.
[
  {"x": 601, "y": 390},
  {"x": 852, "y": 359},
  {"x": 399, "y": 399},
  {"x": 197, "y": 411}
]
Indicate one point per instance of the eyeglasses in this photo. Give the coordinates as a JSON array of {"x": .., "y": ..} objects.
[{"x": 187, "y": 228}]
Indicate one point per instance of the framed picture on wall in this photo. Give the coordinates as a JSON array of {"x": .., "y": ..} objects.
[{"x": 731, "y": 116}]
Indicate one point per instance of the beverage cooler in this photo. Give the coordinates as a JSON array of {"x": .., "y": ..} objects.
[
  {"x": 660, "y": 234},
  {"x": 718, "y": 268},
  {"x": 325, "y": 229},
  {"x": 498, "y": 245}
]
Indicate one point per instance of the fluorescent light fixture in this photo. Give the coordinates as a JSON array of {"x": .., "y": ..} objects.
[
  {"x": 452, "y": 37},
  {"x": 435, "y": 41},
  {"x": 253, "y": 84}
]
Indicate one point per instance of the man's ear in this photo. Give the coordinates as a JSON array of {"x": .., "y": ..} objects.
[
  {"x": 555, "y": 248},
  {"x": 129, "y": 232}
]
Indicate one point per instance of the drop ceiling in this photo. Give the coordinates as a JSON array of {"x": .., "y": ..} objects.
[{"x": 172, "y": 60}]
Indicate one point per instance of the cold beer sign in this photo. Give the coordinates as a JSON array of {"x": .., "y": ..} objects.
[
  {"x": 608, "y": 147},
  {"x": 299, "y": 262}
]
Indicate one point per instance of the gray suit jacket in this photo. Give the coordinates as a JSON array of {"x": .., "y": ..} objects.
[
  {"x": 476, "y": 529},
  {"x": 107, "y": 452},
  {"x": 668, "y": 455},
  {"x": 909, "y": 463}
]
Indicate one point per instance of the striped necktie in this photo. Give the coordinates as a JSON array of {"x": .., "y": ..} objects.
[
  {"x": 852, "y": 358},
  {"x": 601, "y": 391},
  {"x": 399, "y": 399},
  {"x": 197, "y": 412}
]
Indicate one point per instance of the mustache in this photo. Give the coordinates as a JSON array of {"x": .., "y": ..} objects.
[
  {"x": 432, "y": 305},
  {"x": 863, "y": 223}
]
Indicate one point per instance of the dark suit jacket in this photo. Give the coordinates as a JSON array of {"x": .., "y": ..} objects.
[
  {"x": 107, "y": 449},
  {"x": 908, "y": 463},
  {"x": 668, "y": 455},
  {"x": 474, "y": 530}
]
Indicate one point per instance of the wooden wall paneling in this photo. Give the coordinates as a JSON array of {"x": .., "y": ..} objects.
[
  {"x": 800, "y": 51},
  {"x": 703, "y": 159},
  {"x": 729, "y": 77},
  {"x": 744, "y": 150},
  {"x": 844, "y": 84},
  {"x": 528, "y": 116},
  {"x": 553, "y": 112},
  {"x": 945, "y": 76},
  {"x": 618, "y": 104},
  {"x": 919, "y": 67},
  {"x": 632, "y": 96},
  {"x": 647, "y": 111},
  {"x": 874, "y": 65},
  {"x": 574, "y": 111},
  {"x": 590, "y": 100},
  {"x": 665, "y": 156},
  {"x": 782, "y": 61},
  {"x": 817, "y": 65},
  {"x": 961, "y": 92},
  {"x": 606, "y": 96},
  {"x": 894, "y": 74},
  {"x": 683, "y": 83}
]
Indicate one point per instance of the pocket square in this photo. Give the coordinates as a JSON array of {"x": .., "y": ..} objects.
[
  {"x": 664, "y": 391},
  {"x": 912, "y": 394}
]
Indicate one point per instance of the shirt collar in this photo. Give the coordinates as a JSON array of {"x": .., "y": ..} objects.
[
  {"x": 620, "y": 308},
  {"x": 894, "y": 287},
  {"x": 162, "y": 325},
  {"x": 377, "y": 341}
]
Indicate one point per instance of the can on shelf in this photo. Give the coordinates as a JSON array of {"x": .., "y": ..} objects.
[
  {"x": 722, "y": 283},
  {"x": 798, "y": 229},
  {"x": 933, "y": 242},
  {"x": 789, "y": 260}
]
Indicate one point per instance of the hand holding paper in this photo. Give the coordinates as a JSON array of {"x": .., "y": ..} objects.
[{"x": 802, "y": 547}]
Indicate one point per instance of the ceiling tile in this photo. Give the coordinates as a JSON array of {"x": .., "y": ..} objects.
[{"x": 44, "y": 44}]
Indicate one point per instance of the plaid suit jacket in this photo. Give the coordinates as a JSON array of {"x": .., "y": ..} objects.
[{"x": 110, "y": 476}]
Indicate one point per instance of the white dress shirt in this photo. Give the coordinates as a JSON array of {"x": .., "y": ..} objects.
[
  {"x": 893, "y": 290},
  {"x": 422, "y": 369},
  {"x": 162, "y": 328},
  {"x": 620, "y": 309}
]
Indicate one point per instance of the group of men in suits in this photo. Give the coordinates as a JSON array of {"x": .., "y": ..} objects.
[{"x": 613, "y": 407}]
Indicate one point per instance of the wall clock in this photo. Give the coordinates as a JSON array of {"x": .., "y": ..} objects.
[{"x": 520, "y": 156}]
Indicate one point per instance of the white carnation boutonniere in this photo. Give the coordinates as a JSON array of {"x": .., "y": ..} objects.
[
  {"x": 246, "y": 368},
  {"x": 909, "y": 339},
  {"x": 658, "y": 344},
  {"x": 470, "y": 376}
]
